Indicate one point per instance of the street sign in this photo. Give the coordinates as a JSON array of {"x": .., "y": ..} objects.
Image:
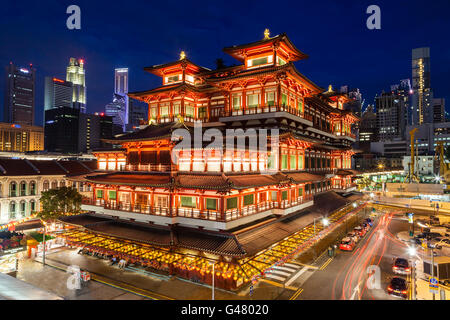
[{"x": 434, "y": 285}]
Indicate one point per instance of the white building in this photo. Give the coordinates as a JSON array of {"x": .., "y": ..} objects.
[
  {"x": 425, "y": 165},
  {"x": 22, "y": 182}
]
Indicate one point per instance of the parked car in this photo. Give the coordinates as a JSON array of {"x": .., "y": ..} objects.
[
  {"x": 401, "y": 266},
  {"x": 353, "y": 235},
  {"x": 442, "y": 243},
  {"x": 369, "y": 221},
  {"x": 398, "y": 287},
  {"x": 347, "y": 244},
  {"x": 360, "y": 231}
]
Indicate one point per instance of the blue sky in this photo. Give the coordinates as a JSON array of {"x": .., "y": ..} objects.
[{"x": 136, "y": 34}]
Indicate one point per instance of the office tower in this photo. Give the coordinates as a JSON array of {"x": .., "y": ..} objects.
[
  {"x": 61, "y": 130},
  {"x": 19, "y": 95},
  {"x": 404, "y": 91},
  {"x": 391, "y": 120},
  {"x": 68, "y": 130},
  {"x": 121, "y": 88},
  {"x": 116, "y": 110},
  {"x": 368, "y": 129},
  {"x": 421, "y": 84},
  {"x": 21, "y": 138},
  {"x": 138, "y": 114},
  {"x": 76, "y": 75},
  {"x": 58, "y": 93},
  {"x": 437, "y": 112}
]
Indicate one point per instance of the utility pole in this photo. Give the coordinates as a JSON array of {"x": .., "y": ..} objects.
[
  {"x": 213, "y": 275},
  {"x": 432, "y": 267}
]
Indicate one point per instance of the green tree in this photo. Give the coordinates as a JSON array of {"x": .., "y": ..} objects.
[{"x": 56, "y": 203}]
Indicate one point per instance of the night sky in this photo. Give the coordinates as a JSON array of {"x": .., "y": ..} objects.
[{"x": 136, "y": 34}]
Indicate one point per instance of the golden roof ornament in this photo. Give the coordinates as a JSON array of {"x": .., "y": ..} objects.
[
  {"x": 266, "y": 34},
  {"x": 330, "y": 88},
  {"x": 182, "y": 55},
  {"x": 151, "y": 121}
]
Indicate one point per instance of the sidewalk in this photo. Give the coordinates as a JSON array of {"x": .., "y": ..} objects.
[{"x": 155, "y": 286}]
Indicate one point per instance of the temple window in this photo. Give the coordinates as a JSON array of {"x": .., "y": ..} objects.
[
  {"x": 211, "y": 204},
  {"x": 189, "y": 78},
  {"x": 280, "y": 61},
  {"x": 176, "y": 108},
  {"x": 274, "y": 196},
  {"x": 284, "y": 162},
  {"x": 284, "y": 195},
  {"x": 188, "y": 202},
  {"x": 300, "y": 192},
  {"x": 256, "y": 62},
  {"x": 99, "y": 194},
  {"x": 162, "y": 201},
  {"x": 153, "y": 111},
  {"x": 249, "y": 199},
  {"x": 300, "y": 105},
  {"x": 112, "y": 195},
  {"x": 300, "y": 162},
  {"x": 283, "y": 99},
  {"x": 252, "y": 100},
  {"x": 270, "y": 98},
  {"x": 173, "y": 79},
  {"x": 202, "y": 112},
  {"x": 164, "y": 110},
  {"x": 236, "y": 102},
  {"x": 232, "y": 203},
  {"x": 189, "y": 110},
  {"x": 292, "y": 162}
]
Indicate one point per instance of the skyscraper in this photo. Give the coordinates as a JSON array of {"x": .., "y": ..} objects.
[
  {"x": 421, "y": 83},
  {"x": 58, "y": 93},
  {"x": 391, "y": 119},
  {"x": 76, "y": 75},
  {"x": 119, "y": 107},
  {"x": 19, "y": 95}
]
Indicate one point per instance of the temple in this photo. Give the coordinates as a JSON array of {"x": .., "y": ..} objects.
[{"x": 303, "y": 148}]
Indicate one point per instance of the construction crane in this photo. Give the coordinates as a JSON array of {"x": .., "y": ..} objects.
[
  {"x": 412, "y": 172},
  {"x": 444, "y": 168}
]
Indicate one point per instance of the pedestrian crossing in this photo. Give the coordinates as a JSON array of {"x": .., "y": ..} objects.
[{"x": 281, "y": 274}]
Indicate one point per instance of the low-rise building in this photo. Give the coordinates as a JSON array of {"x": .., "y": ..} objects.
[{"x": 21, "y": 138}]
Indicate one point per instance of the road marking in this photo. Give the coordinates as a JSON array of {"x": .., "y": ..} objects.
[
  {"x": 296, "y": 276},
  {"x": 326, "y": 264},
  {"x": 296, "y": 294},
  {"x": 279, "y": 272},
  {"x": 279, "y": 284},
  {"x": 285, "y": 269},
  {"x": 275, "y": 277},
  {"x": 306, "y": 265}
]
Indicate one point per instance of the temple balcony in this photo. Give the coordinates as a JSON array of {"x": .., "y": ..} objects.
[
  {"x": 264, "y": 112},
  {"x": 210, "y": 219},
  {"x": 148, "y": 167}
]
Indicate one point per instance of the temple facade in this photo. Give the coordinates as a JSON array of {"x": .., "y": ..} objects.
[{"x": 302, "y": 133}]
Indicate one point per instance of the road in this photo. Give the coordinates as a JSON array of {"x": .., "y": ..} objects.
[{"x": 344, "y": 277}]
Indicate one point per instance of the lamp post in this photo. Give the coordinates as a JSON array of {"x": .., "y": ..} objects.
[
  {"x": 213, "y": 276},
  {"x": 325, "y": 222},
  {"x": 412, "y": 253}
]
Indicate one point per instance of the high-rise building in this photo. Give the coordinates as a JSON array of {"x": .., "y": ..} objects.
[
  {"x": 68, "y": 130},
  {"x": 58, "y": 93},
  {"x": 19, "y": 95},
  {"x": 138, "y": 113},
  {"x": 76, "y": 75},
  {"x": 436, "y": 113},
  {"x": 391, "y": 119},
  {"x": 21, "y": 138},
  {"x": 368, "y": 129},
  {"x": 421, "y": 84},
  {"x": 116, "y": 110},
  {"x": 405, "y": 91}
]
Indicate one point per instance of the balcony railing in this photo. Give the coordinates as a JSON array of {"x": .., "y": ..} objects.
[
  {"x": 266, "y": 109},
  {"x": 148, "y": 167},
  {"x": 212, "y": 215}
]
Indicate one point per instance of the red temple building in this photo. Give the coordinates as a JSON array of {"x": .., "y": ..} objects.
[{"x": 209, "y": 193}]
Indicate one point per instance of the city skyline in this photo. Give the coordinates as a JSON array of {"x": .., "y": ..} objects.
[{"x": 102, "y": 49}]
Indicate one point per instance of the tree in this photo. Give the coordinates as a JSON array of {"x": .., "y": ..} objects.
[{"x": 56, "y": 203}]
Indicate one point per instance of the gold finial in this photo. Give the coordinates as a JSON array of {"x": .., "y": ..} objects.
[
  {"x": 182, "y": 55},
  {"x": 180, "y": 118},
  {"x": 330, "y": 88},
  {"x": 151, "y": 121},
  {"x": 266, "y": 34}
]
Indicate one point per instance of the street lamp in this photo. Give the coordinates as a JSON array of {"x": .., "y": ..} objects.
[{"x": 412, "y": 251}]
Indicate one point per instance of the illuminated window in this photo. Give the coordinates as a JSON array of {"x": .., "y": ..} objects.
[
  {"x": 232, "y": 203},
  {"x": 280, "y": 61},
  {"x": 173, "y": 79},
  {"x": 188, "y": 202},
  {"x": 211, "y": 204},
  {"x": 252, "y": 100},
  {"x": 249, "y": 199},
  {"x": 236, "y": 102},
  {"x": 270, "y": 98}
]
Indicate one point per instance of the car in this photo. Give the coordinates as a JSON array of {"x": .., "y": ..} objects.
[
  {"x": 442, "y": 243},
  {"x": 398, "y": 287},
  {"x": 369, "y": 221},
  {"x": 401, "y": 266},
  {"x": 347, "y": 244},
  {"x": 365, "y": 226},
  {"x": 353, "y": 235},
  {"x": 360, "y": 231}
]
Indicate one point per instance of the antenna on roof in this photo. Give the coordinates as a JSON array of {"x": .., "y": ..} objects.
[{"x": 266, "y": 34}]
